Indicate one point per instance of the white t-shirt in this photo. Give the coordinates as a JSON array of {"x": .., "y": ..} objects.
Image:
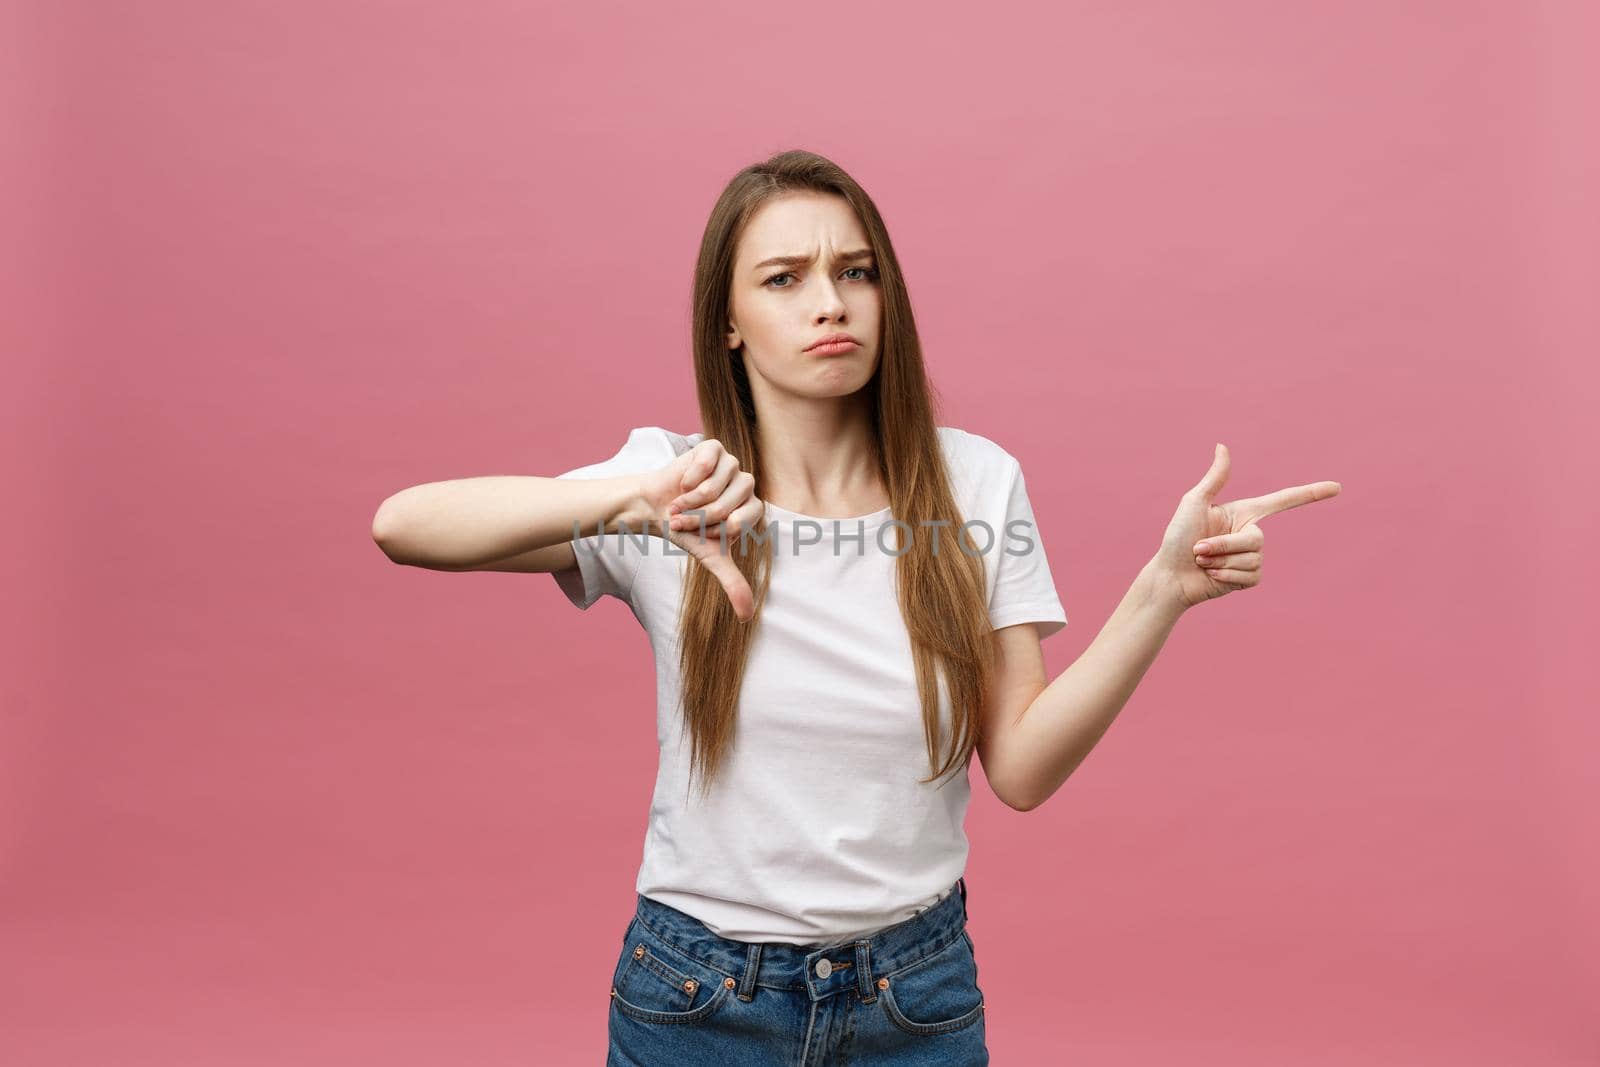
[{"x": 818, "y": 831}]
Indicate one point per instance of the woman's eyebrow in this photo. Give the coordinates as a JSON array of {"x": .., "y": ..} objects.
[{"x": 800, "y": 261}]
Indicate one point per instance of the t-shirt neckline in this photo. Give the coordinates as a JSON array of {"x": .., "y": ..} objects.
[{"x": 876, "y": 518}]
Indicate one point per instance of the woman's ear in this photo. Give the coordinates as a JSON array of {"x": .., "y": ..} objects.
[{"x": 733, "y": 337}]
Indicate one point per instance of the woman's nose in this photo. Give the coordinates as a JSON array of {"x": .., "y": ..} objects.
[{"x": 832, "y": 304}]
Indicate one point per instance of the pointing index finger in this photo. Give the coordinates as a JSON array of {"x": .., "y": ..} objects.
[{"x": 1260, "y": 507}]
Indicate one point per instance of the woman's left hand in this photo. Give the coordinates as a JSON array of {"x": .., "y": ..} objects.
[{"x": 1212, "y": 549}]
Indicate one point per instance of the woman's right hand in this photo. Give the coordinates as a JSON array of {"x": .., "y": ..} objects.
[{"x": 707, "y": 481}]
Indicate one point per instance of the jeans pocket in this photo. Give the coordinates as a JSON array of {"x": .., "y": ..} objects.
[
  {"x": 937, "y": 994},
  {"x": 656, "y": 983}
]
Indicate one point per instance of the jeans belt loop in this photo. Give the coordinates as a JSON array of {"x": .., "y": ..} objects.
[
  {"x": 752, "y": 964},
  {"x": 864, "y": 983}
]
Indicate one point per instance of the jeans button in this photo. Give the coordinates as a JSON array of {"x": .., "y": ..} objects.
[{"x": 824, "y": 968}]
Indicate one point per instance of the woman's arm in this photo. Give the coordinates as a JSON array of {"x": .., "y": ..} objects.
[
  {"x": 527, "y": 523},
  {"x": 466, "y": 523},
  {"x": 1034, "y": 734}
]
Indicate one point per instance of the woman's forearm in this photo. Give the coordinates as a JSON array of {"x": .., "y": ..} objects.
[
  {"x": 1068, "y": 718},
  {"x": 466, "y": 521}
]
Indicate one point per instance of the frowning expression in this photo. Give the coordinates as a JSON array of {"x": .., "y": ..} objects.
[{"x": 805, "y": 272}]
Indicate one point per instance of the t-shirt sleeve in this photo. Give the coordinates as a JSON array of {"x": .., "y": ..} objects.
[
  {"x": 609, "y": 563},
  {"x": 1024, "y": 590}
]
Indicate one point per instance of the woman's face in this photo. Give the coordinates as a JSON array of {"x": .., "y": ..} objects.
[{"x": 777, "y": 310}]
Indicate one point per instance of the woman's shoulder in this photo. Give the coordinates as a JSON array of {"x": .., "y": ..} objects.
[
  {"x": 974, "y": 452},
  {"x": 660, "y": 442}
]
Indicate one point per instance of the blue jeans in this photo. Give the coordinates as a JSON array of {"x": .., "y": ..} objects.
[{"x": 906, "y": 996}]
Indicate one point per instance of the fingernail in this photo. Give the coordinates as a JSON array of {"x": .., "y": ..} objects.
[{"x": 1202, "y": 548}]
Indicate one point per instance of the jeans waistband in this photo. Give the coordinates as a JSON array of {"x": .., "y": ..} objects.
[{"x": 821, "y": 972}]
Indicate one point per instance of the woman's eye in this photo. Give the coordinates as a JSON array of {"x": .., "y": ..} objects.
[{"x": 871, "y": 274}]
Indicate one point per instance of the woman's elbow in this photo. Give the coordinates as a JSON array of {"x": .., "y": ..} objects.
[{"x": 387, "y": 530}]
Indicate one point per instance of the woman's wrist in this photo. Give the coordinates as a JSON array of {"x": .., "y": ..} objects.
[
  {"x": 1161, "y": 590},
  {"x": 632, "y": 511}
]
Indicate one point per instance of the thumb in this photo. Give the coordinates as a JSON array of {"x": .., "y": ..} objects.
[
  {"x": 1215, "y": 478},
  {"x": 732, "y": 579}
]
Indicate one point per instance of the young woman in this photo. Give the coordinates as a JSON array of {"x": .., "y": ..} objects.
[{"x": 845, "y": 601}]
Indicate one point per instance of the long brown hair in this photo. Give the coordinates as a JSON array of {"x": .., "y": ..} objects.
[{"x": 940, "y": 594}]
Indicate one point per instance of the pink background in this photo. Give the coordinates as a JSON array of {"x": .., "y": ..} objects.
[{"x": 267, "y": 798}]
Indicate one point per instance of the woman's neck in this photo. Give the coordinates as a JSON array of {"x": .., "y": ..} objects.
[{"x": 821, "y": 459}]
